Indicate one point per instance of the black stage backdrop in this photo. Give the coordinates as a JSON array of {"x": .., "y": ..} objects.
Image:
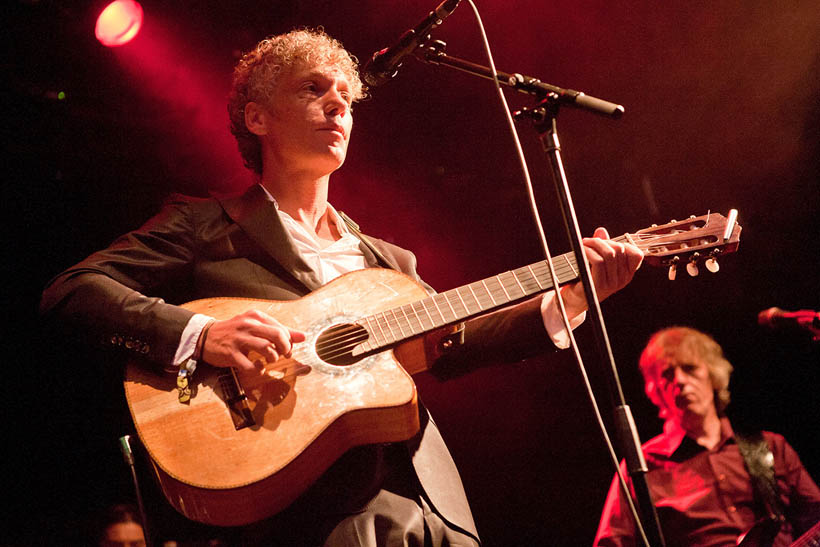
[{"x": 722, "y": 110}]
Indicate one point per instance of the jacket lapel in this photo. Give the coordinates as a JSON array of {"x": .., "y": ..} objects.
[
  {"x": 373, "y": 256},
  {"x": 256, "y": 214}
]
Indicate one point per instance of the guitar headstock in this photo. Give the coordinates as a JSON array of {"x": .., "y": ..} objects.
[{"x": 691, "y": 242}]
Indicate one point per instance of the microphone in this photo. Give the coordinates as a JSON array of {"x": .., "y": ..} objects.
[
  {"x": 776, "y": 318},
  {"x": 385, "y": 63}
]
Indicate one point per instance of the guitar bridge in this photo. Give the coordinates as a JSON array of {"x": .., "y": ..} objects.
[{"x": 234, "y": 396}]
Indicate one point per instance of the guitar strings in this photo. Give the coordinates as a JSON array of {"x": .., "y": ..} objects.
[{"x": 348, "y": 337}]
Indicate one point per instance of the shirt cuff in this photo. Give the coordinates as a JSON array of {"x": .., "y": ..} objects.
[
  {"x": 190, "y": 335},
  {"x": 553, "y": 322}
]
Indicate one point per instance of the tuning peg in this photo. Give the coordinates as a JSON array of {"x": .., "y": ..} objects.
[
  {"x": 692, "y": 265},
  {"x": 712, "y": 265},
  {"x": 692, "y": 269},
  {"x": 673, "y": 268}
]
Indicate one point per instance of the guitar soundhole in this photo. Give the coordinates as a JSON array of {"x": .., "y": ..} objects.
[{"x": 335, "y": 345}]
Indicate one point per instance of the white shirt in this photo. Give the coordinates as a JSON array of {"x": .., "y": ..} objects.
[{"x": 341, "y": 256}]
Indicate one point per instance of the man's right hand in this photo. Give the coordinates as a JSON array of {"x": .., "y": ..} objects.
[{"x": 229, "y": 342}]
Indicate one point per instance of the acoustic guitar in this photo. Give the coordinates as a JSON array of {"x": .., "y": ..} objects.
[
  {"x": 764, "y": 533},
  {"x": 243, "y": 448}
]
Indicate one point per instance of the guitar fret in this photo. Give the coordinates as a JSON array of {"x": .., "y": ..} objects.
[
  {"x": 438, "y": 309},
  {"x": 398, "y": 323},
  {"x": 480, "y": 307},
  {"x": 501, "y": 283},
  {"x": 409, "y": 323},
  {"x": 427, "y": 311},
  {"x": 514, "y": 286},
  {"x": 566, "y": 258},
  {"x": 387, "y": 324},
  {"x": 523, "y": 292},
  {"x": 463, "y": 304},
  {"x": 379, "y": 324},
  {"x": 375, "y": 320},
  {"x": 535, "y": 277},
  {"x": 372, "y": 330},
  {"x": 529, "y": 285},
  {"x": 421, "y": 322},
  {"x": 418, "y": 316},
  {"x": 449, "y": 305},
  {"x": 545, "y": 279},
  {"x": 488, "y": 291},
  {"x": 381, "y": 330}
]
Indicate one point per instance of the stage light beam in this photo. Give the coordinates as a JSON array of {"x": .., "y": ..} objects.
[{"x": 119, "y": 23}]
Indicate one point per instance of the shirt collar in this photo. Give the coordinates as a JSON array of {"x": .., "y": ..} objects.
[{"x": 673, "y": 435}]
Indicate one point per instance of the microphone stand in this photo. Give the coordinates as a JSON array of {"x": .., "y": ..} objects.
[{"x": 550, "y": 98}]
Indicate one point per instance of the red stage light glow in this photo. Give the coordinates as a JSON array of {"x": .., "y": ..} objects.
[{"x": 119, "y": 23}]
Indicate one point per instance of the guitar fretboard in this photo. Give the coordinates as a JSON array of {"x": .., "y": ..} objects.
[{"x": 449, "y": 307}]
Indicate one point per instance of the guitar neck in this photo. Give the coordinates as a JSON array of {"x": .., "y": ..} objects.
[
  {"x": 450, "y": 307},
  {"x": 810, "y": 538}
]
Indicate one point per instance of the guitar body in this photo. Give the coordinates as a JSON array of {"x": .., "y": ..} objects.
[{"x": 306, "y": 412}]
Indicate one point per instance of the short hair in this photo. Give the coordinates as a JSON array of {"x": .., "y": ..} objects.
[
  {"x": 255, "y": 78},
  {"x": 115, "y": 514},
  {"x": 685, "y": 344}
]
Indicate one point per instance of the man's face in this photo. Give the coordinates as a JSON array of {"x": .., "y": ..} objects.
[
  {"x": 310, "y": 118},
  {"x": 686, "y": 387}
]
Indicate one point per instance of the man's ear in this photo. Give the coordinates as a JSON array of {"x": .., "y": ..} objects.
[{"x": 257, "y": 118}]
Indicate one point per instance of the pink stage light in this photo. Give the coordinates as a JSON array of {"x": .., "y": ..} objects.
[{"x": 119, "y": 23}]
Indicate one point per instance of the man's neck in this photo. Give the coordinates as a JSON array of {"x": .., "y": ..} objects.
[
  {"x": 705, "y": 430},
  {"x": 304, "y": 198}
]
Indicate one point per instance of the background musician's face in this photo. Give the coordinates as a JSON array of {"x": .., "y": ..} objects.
[
  {"x": 310, "y": 118},
  {"x": 123, "y": 534},
  {"x": 685, "y": 387}
]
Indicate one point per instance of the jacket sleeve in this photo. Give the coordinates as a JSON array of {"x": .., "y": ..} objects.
[
  {"x": 504, "y": 336},
  {"x": 104, "y": 297}
]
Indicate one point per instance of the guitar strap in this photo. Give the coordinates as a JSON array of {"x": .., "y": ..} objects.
[
  {"x": 353, "y": 227},
  {"x": 760, "y": 463}
]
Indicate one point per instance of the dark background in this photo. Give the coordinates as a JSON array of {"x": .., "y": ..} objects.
[{"x": 722, "y": 110}]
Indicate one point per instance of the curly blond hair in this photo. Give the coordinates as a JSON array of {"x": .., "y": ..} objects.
[
  {"x": 684, "y": 344},
  {"x": 255, "y": 78}
]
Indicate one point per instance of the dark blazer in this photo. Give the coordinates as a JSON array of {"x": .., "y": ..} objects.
[{"x": 199, "y": 248}]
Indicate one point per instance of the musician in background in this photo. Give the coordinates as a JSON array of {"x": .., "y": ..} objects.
[
  {"x": 120, "y": 527},
  {"x": 699, "y": 478},
  {"x": 291, "y": 112}
]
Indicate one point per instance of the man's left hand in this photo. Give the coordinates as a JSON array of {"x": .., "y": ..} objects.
[{"x": 612, "y": 265}]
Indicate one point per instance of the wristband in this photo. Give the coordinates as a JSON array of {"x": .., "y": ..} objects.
[{"x": 186, "y": 369}]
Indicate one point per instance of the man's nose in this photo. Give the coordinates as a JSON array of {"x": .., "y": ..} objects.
[{"x": 336, "y": 105}]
